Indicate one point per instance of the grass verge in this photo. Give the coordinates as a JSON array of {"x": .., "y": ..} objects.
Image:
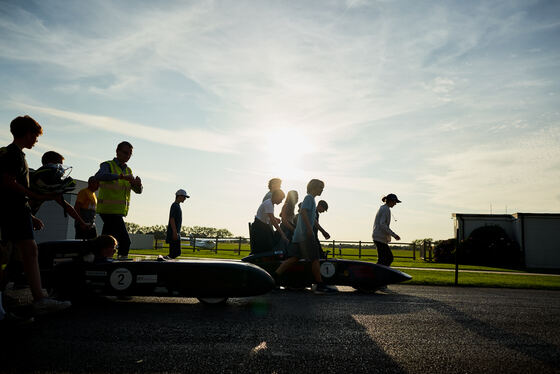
[{"x": 480, "y": 279}]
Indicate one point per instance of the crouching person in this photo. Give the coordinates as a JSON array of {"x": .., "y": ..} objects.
[
  {"x": 101, "y": 248},
  {"x": 262, "y": 232}
]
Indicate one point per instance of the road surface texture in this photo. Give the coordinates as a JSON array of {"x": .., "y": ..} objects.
[{"x": 413, "y": 329}]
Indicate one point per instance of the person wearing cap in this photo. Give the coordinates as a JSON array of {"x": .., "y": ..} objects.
[
  {"x": 174, "y": 226},
  {"x": 382, "y": 233}
]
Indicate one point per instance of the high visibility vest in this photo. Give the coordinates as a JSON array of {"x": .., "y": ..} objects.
[{"x": 114, "y": 196}]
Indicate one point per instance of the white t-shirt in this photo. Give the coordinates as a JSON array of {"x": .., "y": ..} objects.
[{"x": 264, "y": 209}]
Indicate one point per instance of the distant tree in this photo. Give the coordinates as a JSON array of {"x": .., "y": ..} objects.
[
  {"x": 206, "y": 232},
  {"x": 420, "y": 242},
  {"x": 160, "y": 231},
  {"x": 132, "y": 227},
  {"x": 223, "y": 233},
  {"x": 444, "y": 250},
  {"x": 490, "y": 245}
]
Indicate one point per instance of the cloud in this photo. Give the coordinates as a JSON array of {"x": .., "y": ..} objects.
[
  {"x": 205, "y": 141},
  {"x": 443, "y": 102},
  {"x": 521, "y": 174}
]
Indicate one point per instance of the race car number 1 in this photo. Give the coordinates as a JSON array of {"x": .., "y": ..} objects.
[
  {"x": 327, "y": 269},
  {"x": 121, "y": 279}
]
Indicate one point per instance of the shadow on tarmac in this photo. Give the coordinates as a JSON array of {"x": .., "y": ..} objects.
[{"x": 281, "y": 332}]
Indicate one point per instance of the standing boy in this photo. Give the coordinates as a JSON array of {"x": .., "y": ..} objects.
[
  {"x": 304, "y": 243},
  {"x": 115, "y": 182},
  {"x": 174, "y": 226},
  {"x": 16, "y": 221}
]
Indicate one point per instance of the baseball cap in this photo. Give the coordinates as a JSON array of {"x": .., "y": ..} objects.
[
  {"x": 181, "y": 192},
  {"x": 393, "y": 197}
]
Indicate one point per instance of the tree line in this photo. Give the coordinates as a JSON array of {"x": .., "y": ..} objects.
[{"x": 160, "y": 231}]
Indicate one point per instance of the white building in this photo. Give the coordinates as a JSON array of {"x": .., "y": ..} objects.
[
  {"x": 59, "y": 226},
  {"x": 538, "y": 234}
]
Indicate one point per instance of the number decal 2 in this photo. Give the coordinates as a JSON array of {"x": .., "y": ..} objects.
[{"x": 120, "y": 279}]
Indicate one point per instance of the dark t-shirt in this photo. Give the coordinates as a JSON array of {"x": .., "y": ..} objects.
[
  {"x": 174, "y": 212},
  {"x": 12, "y": 162}
]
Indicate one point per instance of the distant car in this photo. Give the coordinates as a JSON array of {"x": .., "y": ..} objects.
[
  {"x": 363, "y": 276},
  {"x": 65, "y": 272},
  {"x": 205, "y": 243}
]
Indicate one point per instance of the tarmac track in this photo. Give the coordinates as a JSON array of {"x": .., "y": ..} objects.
[{"x": 414, "y": 329}]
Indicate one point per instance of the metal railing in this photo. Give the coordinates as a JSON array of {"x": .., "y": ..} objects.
[
  {"x": 332, "y": 248},
  {"x": 367, "y": 249}
]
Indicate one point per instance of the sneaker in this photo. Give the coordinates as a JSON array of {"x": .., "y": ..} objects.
[
  {"x": 321, "y": 289},
  {"x": 48, "y": 305},
  {"x": 122, "y": 257},
  {"x": 382, "y": 288}
]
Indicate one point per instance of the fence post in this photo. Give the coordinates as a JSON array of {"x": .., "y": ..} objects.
[
  {"x": 155, "y": 243},
  {"x": 216, "y": 248},
  {"x": 414, "y": 251},
  {"x": 194, "y": 245},
  {"x": 333, "y": 247},
  {"x": 360, "y": 249},
  {"x": 424, "y": 248},
  {"x": 239, "y": 247},
  {"x": 431, "y": 248},
  {"x": 457, "y": 262}
]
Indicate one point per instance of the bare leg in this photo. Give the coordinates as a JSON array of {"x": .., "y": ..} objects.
[
  {"x": 29, "y": 254},
  {"x": 286, "y": 264},
  {"x": 315, "y": 269}
]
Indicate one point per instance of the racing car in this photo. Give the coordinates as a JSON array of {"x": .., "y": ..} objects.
[
  {"x": 361, "y": 275},
  {"x": 65, "y": 272}
]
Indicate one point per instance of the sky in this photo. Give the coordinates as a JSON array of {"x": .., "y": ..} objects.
[{"x": 452, "y": 105}]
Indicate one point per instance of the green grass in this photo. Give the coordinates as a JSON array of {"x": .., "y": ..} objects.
[
  {"x": 505, "y": 280},
  {"x": 403, "y": 258}
]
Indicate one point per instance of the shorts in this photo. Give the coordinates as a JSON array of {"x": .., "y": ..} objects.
[
  {"x": 307, "y": 249},
  {"x": 81, "y": 233},
  {"x": 17, "y": 224}
]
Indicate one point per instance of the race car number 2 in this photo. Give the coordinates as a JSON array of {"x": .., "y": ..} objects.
[{"x": 121, "y": 279}]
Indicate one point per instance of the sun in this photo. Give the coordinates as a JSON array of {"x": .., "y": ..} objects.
[{"x": 287, "y": 149}]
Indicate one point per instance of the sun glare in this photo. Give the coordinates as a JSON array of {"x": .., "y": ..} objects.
[{"x": 287, "y": 149}]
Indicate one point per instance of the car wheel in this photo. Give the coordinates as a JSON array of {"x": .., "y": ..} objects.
[{"x": 213, "y": 300}]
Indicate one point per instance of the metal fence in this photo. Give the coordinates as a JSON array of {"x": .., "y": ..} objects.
[
  {"x": 361, "y": 249},
  {"x": 331, "y": 248}
]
